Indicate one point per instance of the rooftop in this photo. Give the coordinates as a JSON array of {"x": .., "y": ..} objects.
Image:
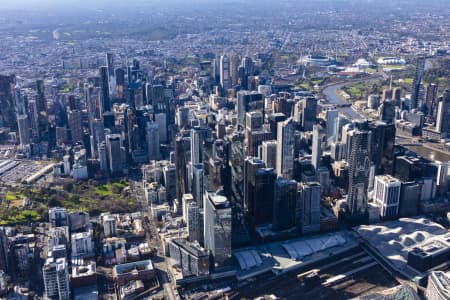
[
  {"x": 130, "y": 267},
  {"x": 394, "y": 239}
]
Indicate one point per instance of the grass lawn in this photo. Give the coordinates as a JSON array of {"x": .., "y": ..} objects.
[
  {"x": 306, "y": 86},
  {"x": 393, "y": 67},
  {"x": 21, "y": 217},
  {"x": 12, "y": 196},
  {"x": 408, "y": 80}
]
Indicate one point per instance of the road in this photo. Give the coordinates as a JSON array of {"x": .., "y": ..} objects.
[{"x": 159, "y": 261}]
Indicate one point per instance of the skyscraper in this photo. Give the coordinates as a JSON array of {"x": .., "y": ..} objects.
[
  {"x": 217, "y": 227},
  {"x": 198, "y": 184},
  {"x": 251, "y": 166},
  {"x": 234, "y": 68},
  {"x": 198, "y": 136},
  {"x": 332, "y": 115},
  {"x": 41, "y": 103},
  {"x": 225, "y": 80},
  {"x": 285, "y": 204},
  {"x": 75, "y": 125},
  {"x": 285, "y": 148},
  {"x": 387, "y": 195},
  {"x": 309, "y": 111},
  {"x": 24, "y": 129},
  {"x": 317, "y": 146},
  {"x": 120, "y": 83},
  {"x": 359, "y": 168},
  {"x": 309, "y": 200},
  {"x": 443, "y": 114},
  {"x": 417, "y": 93},
  {"x": 7, "y": 113},
  {"x": 260, "y": 192},
  {"x": 104, "y": 85},
  {"x": 382, "y": 146},
  {"x": 20, "y": 103},
  {"x": 3, "y": 250},
  {"x": 193, "y": 222},
  {"x": 152, "y": 137},
  {"x": 56, "y": 278},
  {"x": 180, "y": 166},
  {"x": 247, "y": 102},
  {"x": 269, "y": 153},
  {"x": 34, "y": 120},
  {"x": 114, "y": 154},
  {"x": 430, "y": 98}
]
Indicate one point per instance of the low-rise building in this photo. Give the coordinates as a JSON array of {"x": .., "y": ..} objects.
[{"x": 140, "y": 270}]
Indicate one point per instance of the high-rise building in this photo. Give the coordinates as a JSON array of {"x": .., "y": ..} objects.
[
  {"x": 254, "y": 120},
  {"x": 285, "y": 208},
  {"x": 7, "y": 113},
  {"x": 41, "y": 103},
  {"x": 103, "y": 157},
  {"x": 58, "y": 217},
  {"x": 56, "y": 278},
  {"x": 161, "y": 120},
  {"x": 104, "y": 86},
  {"x": 75, "y": 125},
  {"x": 24, "y": 130},
  {"x": 234, "y": 179},
  {"x": 443, "y": 114},
  {"x": 193, "y": 222},
  {"x": 387, "y": 195},
  {"x": 417, "y": 93},
  {"x": 198, "y": 137},
  {"x": 251, "y": 166},
  {"x": 269, "y": 153},
  {"x": 114, "y": 154},
  {"x": 397, "y": 95},
  {"x": 442, "y": 177},
  {"x": 386, "y": 111},
  {"x": 387, "y": 95},
  {"x": 198, "y": 184},
  {"x": 359, "y": 169},
  {"x": 182, "y": 117},
  {"x": 260, "y": 193},
  {"x": 170, "y": 183},
  {"x": 217, "y": 227},
  {"x": 285, "y": 148},
  {"x": 382, "y": 146},
  {"x": 332, "y": 116},
  {"x": 234, "y": 69},
  {"x": 309, "y": 200},
  {"x": 309, "y": 111},
  {"x": 180, "y": 166},
  {"x": 20, "y": 101},
  {"x": 225, "y": 80},
  {"x": 247, "y": 102},
  {"x": 3, "y": 250},
  {"x": 152, "y": 137},
  {"x": 255, "y": 139},
  {"x": 317, "y": 146},
  {"x": 430, "y": 98},
  {"x": 33, "y": 116}
]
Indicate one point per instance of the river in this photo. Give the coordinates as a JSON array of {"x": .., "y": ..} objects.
[{"x": 332, "y": 97}]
